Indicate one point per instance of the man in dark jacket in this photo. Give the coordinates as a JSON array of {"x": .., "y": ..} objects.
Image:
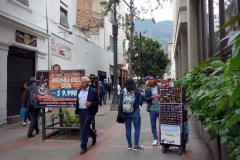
[
  {"x": 101, "y": 92},
  {"x": 87, "y": 107},
  {"x": 152, "y": 95},
  {"x": 105, "y": 86},
  {"x": 32, "y": 109}
]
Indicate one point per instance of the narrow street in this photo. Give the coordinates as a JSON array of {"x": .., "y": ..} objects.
[{"x": 111, "y": 143}]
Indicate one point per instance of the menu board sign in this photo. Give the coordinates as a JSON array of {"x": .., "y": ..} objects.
[{"x": 58, "y": 88}]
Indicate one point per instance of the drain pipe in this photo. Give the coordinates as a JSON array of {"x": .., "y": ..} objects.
[{"x": 49, "y": 45}]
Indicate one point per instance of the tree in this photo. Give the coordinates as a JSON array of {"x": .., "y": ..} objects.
[
  {"x": 154, "y": 59},
  {"x": 134, "y": 13}
]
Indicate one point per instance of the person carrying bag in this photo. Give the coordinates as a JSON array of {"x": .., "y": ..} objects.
[{"x": 130, "y": 99}]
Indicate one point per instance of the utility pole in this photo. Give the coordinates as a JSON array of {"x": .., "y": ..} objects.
[
  {"x": 131, "y": 39},
  {"x": 115, "y": 101},
  {"x": 140, "y": 57}
]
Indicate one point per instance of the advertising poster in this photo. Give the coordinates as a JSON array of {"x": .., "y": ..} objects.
[
  {"x": 58, "y": 88},
  {"x": 170, "y": 134},
  {"x": 25, "y": 38},
  {"x": 61, "y": 47}
]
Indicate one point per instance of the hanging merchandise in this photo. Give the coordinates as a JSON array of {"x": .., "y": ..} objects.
[{"x": 173, "y": 126}]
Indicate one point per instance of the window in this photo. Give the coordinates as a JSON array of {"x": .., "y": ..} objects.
[
  {"x": 111, "y": 43},
  {"x": 24, "y": 2},
  {"x": 124, "y": 47},
  {"x": 63, "y": 18}
]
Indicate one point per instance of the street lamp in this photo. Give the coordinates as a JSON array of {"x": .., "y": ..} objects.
[
  {"x": 114, "y": 105},
  {"x": 140, "y": 47}
]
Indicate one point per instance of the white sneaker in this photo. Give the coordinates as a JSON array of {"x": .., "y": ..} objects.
[
  {"x": 28, "y": 122},
  {"x": 155, "y": 142},
  {"x": 24, "y": 124}
]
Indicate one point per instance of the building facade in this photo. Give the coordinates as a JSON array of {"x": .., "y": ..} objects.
[
  {"x": 39, "y": 36},
  {"x": 195, "y": 39},
  {"x": 99, "y": 29},
  {"x": 23, "y": 49}
]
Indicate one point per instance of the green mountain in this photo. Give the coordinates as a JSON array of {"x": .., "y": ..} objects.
[{"x": 161, "y": 31}]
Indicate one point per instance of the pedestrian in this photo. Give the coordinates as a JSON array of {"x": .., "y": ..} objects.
[
  {"x": 86, "y": 108},
  {"x": 146, "y": 84},
  {"x": 30, "y": 104},
  {"x": 101, "y": 92},
  {"x": 141, "y": 90},
  {"x": 109, "y": 89},
  {"x": 165, "y": 83},
  {"x": 119, "y": 90},
  {"x": 171, "y": 83},
  {"x": 27, "y": 114},
  {"x": 152, "y": 94},
  {"x": 134, "y": 117},
  {"x": 105, "y": 86}
]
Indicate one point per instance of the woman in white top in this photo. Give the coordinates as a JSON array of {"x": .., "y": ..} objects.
[{"x": 119, "y": 90}]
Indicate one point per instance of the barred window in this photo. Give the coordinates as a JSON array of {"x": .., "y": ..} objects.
[{"x": 111, "y": 43}]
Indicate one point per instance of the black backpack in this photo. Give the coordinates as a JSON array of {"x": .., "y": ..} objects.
[{"x": 33, "y": 99}]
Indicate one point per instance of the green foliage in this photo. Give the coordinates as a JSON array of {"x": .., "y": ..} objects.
[
  {"x": 69, "y": 119},
  {"x": 213, "y": 93},
  {"x": 154, "y": 59},
  {"x": 66, "y": 117}
]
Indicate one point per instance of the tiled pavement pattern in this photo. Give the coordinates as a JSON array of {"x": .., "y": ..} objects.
[{"x": 111, "y": 143}]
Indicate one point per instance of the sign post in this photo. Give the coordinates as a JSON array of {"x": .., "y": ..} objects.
[{"x": 56, "y": 89}]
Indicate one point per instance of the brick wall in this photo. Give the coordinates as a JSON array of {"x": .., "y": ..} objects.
[{"x": 87, "y": 20}]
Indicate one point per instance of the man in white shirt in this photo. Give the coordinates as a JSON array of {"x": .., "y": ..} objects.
[{"x": 87, "y": 107}]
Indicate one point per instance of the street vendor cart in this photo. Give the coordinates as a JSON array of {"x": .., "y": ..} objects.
[{"x": 173, "y": 119}]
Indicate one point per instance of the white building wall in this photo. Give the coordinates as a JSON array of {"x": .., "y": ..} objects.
[
  {"x": 32, "y": 20},
  {"x": 28, "y": 19},
  {"x": 85, "y": 54},
  {"x": 3, "y": 84}
]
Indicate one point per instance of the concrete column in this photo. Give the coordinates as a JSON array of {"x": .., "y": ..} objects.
[
  {"x": 179, "y": 61},
  {"x": 192, "y": 33},
  {"x": 3, "y": 85},
  {"x": 176, "y": 66},
  {"x": 184, "y": 53}
]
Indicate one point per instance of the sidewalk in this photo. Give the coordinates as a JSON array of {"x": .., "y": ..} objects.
[{"x": 111, "y": 143}]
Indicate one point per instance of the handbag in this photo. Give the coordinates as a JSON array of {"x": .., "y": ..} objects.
[{"x": 23, "y": 113}]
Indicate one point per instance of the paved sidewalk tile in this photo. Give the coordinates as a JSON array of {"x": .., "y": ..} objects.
[{"x": 111, "y": 142}]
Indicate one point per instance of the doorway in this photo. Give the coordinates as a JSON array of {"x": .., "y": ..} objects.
[{"x": 20, "y": 67}]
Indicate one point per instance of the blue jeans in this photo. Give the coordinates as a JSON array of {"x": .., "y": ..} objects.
[
  {"x": 100, "y": 99},
  {"x": 153, "y": 119},
  {"x": 104, "y": 98},
  {"x": 85, "y": 120},
  {"x": 136, "y": 119}
]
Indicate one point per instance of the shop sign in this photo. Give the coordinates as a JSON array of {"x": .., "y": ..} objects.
[
  {"x": 25, "y": 38},
  {"x": 170, "y": 134},
  {"x": 61, "y": 47},
  {"x": 58, "y": 88}
]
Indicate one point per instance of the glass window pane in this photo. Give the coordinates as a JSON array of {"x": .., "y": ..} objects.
[
  {"x": 230, "y": 10},
  {"x": 63, "y": 18},
  {"x": 111, "y": 43}
]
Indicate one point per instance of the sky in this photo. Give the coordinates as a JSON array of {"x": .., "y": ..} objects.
[{"x": 160, "y": 14}]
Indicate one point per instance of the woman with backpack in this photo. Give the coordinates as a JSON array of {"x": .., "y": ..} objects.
[
  {"x": 27, "y": 115},
  {"x": 130, "y": 98}
]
